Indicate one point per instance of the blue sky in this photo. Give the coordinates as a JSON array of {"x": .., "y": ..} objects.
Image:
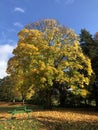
[{"x": 15, "y": 14}]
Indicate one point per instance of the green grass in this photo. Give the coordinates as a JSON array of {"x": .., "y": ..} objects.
[
  {"x": 20, "y": 125},
  {"x": 6, "y": 123},
  {"x": 56, "y": 119},
  {"x": 47, "y": 124}
]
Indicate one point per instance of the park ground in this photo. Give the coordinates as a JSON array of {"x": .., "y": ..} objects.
[{"x": 55, "y": 119}]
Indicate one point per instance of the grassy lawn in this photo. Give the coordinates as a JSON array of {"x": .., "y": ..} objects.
[
  {"x": 20, "y": 125},
  {"x": 56, "y": 119}
]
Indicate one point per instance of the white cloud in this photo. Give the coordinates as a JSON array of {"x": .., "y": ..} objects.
[
  {"x": 18, "y": 24},
  {"x": 64, "y": 1},
  {"x": 18, "y": 9},
  {"x": 5, "y": 54},
  {"x": 3, "y": 66}
]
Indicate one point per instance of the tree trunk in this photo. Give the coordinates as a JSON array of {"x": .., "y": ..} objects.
[
  {"x": 96, "y": 93},
  {"x": 97, "y": 104},
  {"x": 13, "y": 101},
  {"x": 48, "y": 104},
  {"x": 62, "y": 100},
  {"x": 62, "y": 92},
  {"x": 23, "y": 101}
]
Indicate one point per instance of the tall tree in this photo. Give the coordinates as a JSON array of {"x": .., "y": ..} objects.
[
  {"x": 86, "y": 41},
  {"x": 90, "y": 48},
  {"x": 46, "y": 54}
]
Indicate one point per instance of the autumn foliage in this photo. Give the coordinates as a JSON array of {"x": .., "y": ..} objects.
[{"x": 48, "y": 56}]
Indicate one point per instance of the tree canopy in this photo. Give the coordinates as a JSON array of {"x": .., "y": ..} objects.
[
  {"x": 48, "y": 52},
  {"x": 89, "y": 46}
]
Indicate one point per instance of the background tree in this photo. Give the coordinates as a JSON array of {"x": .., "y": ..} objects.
[
  {"x": 89, "y": 45},
  {"x": 86, "y": 41},
  {"x": 8, "y": 90},
  {"x": 96, "y": 37}
]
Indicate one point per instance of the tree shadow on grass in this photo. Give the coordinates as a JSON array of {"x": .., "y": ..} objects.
[
  {"x": 52, "y": 123},
  {"x": 58, "y": 124}
]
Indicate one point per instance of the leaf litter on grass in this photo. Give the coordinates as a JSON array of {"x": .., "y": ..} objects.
[
  {"x": 53, "y": 120},
  {"x": 20, "y": 125}
]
